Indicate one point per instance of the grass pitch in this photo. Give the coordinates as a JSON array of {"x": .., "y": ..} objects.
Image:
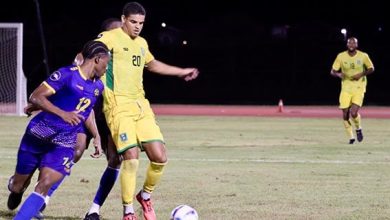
[{"x": 238, "y": 168}]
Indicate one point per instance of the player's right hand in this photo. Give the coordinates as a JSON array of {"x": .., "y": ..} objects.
[
  {"x": 72, "y": 118},
  {"x": 190, "y": 74}
]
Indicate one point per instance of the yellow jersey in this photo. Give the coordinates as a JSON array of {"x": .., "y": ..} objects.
[
  {"x": 352, "y": 65},
  {"x": 124, "y": 76}
]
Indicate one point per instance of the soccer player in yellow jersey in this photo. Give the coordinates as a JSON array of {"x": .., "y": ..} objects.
[
  {"x": 352, "y": 67},
  {"x": 128, "y": 113}
]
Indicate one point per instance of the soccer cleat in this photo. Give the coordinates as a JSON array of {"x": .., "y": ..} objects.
[
  {"x": 352, "y": 140},
  {"x": 129, "y": 216},
  {"x": 14, "y": 200},
  {"x": 359, "y": 135},
  {"x": 147, "y": 207},
  {"x": 92, "y": 216}
]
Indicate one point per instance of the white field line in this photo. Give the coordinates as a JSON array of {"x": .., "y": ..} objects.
[{"x": 252, "y": 160}]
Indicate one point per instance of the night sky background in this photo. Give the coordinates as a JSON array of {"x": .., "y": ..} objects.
[{"x": 248, "y": 52}]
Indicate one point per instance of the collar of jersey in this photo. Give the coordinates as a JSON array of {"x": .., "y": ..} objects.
[{"x": 81, "y": 73}]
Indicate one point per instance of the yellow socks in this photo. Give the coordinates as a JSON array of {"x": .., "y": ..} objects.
[
  {"x": 348, "y": 128},
  {"x": 128, "y": 176},
  {"x": 153, "y": 176},
  {"x": 357, "y": 122}
]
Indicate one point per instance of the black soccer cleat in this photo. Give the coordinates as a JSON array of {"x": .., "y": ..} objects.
[
  {"x": 359, "y": 135},
  {"x": 352, "y": 140},
  {"x": 92, "y": 216},
  {"x": 14, "y": 200}
]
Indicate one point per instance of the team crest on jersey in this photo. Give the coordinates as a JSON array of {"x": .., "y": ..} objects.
[
  {"x": 55, "y": 76},
  {"x": 96, "y": 92},
  {"x": 142, "y": 51},
  {"x": 123, "y": 137},
  {"x": 359, "y": 62}
]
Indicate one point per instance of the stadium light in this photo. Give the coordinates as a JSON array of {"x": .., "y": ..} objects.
[{"x": 344, "y": 32}]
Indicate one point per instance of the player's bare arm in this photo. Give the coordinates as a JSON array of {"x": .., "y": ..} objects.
[
  {"x": 39, "y": 97},
  {"x": 335, "y": 73},
  {"x": 364, "y": 73},
  {"x": 90, "y": 123},
  {"x": 161, "y": 68}
]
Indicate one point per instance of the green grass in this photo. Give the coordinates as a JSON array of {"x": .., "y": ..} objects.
[{"x": 239, "y": 168}]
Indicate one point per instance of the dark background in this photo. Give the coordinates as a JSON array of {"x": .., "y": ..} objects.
[{"x": 248, "y": 52}]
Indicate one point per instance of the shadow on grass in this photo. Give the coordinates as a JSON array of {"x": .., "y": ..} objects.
[
  {"x": 6, "y": 214},
  {"x": 10, "y": 214}
]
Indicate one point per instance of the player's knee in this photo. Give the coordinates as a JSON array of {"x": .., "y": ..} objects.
[
  {"x": 130, "y": 165},
  {"x": 114, "y": 161},
  {"x": 162, "y": 159},
  {"x": 159, "y": 157},
  {"x": 354, "y": 114},
  {"x": 18, "y": 185},
  {"x": 156, "y": 152},
  {"x": 43, "y": 186},
  {"x": 77, "y": 155}
]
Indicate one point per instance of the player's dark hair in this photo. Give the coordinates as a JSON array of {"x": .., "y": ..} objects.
[
  {"x": 106, "y": 23},
  {"x": 93, "y": 48},
  {"x": 133, "y": 8}
]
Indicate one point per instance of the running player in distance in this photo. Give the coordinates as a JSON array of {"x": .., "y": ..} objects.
[{"x": 352, "y": 67}]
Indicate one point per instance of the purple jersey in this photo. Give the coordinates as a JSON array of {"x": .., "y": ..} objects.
[{"x": 73, "y": 92}]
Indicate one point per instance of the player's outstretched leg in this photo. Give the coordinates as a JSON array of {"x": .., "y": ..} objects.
[
  {"x": 53, "y": 188},
  {"x": 30, "y": 207},
  {"x": 107, "y": 181}
]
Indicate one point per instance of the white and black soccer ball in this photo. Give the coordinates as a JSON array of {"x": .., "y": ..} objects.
[{"x": 184, "y": 212}]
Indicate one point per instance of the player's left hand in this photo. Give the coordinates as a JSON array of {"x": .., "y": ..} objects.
[
  {"x": 357, "y": 76},
  {"x": 190, "y": 74},
  {"x": 98, "y": 148},
  {"x": 29, "y": 109}
]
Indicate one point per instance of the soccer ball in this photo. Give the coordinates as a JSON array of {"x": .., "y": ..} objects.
[{"x": 184, "y": 212}]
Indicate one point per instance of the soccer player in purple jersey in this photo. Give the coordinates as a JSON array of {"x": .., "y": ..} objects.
[
  {"x": 104, "y": 140},
  {"x": 66, "y": 98}
]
